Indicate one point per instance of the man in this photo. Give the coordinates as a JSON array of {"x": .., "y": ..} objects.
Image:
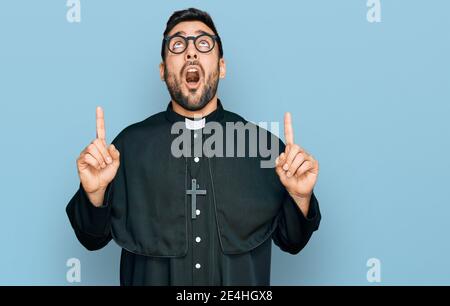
[{"x": 193, "y": 219}]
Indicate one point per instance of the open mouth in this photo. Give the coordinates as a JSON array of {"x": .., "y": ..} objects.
[{"x": 192, "y": 77}]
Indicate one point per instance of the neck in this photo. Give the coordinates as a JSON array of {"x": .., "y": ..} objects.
[{"x": 206, "y": 110}]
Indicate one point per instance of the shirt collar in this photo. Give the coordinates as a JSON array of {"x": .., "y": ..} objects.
[
  {"x": 216, "y": 115},
  {"x": 194, "y": 124}
]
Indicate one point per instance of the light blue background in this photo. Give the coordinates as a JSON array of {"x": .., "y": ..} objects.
[{"x": 369, "y": 100}]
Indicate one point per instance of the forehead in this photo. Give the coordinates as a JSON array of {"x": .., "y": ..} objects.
[{"x": 191, "y": 28}]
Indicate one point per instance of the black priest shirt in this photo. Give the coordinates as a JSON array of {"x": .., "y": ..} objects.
[{"x": 223, "y": 237}]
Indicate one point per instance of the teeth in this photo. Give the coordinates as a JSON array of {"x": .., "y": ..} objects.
[{"x": 192, "y": 70}]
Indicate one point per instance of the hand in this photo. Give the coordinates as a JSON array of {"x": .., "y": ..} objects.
[
  {"x": 296, "y": 169},
  {"x": 97, "y": 163}
]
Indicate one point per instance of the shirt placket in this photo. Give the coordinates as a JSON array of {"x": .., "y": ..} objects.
[{"x": 199, "y": 223}]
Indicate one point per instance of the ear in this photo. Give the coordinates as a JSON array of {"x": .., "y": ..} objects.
[
  {"x": 222, "y": 68},
  {"x": 161, "y": 71}
]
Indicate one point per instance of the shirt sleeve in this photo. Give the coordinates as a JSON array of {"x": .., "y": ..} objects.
[
  {"x": 294, "y": 229},
  {"x": 92, "y": 225}
]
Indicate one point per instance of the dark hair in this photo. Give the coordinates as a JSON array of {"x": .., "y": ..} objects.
[{"x": 190, "y": 14}]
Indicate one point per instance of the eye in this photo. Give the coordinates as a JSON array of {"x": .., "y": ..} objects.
[
  {"x": 177, "y": 45},
  {"x": 204, "y": 44}
]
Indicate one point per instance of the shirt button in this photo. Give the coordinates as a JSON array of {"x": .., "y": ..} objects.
[
  {"x": 195, "y": 135},
  {"x": 197, "y": 266},
  {"x": 197, "y": 212},
  {"x": 198, "y": 239},
  {"x": 196, "y": 159}
]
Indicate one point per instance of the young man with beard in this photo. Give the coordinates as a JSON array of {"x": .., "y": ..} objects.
[{"x": 194, "y": 219}]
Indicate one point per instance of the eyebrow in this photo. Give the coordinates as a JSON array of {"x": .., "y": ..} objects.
[{"x": 196, "y": 32}]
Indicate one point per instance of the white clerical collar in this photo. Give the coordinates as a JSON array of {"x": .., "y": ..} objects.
[{"x": 195, "y": 124}]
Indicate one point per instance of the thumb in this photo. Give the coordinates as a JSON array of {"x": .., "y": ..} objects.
[
  {"x": 282, "y": 175},
  {"x": 114, "y": 152}
]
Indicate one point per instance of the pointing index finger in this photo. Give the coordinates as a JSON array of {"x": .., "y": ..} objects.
[
  {"x": 100, "y": 123},
  {"x": 288, "y": 131}
]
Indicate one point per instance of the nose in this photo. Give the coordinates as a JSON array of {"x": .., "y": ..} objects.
[{"x": 191, "y": 52}]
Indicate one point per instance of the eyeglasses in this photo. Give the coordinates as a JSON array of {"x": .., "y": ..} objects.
[{"x": 203, "y": 43}]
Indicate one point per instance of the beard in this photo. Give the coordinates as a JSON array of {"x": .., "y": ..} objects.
[{"x": 191, "y": 101}]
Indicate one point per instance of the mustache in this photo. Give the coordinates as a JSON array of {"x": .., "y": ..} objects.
[{"x": 192, "y": 63}]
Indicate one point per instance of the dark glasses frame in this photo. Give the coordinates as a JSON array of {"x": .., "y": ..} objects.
[{"x": 186, "y": 39}]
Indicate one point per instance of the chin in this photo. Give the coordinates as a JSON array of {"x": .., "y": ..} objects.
[
  {"x": 194, "y": 98},
  {"x": 194, "y": 105}
]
